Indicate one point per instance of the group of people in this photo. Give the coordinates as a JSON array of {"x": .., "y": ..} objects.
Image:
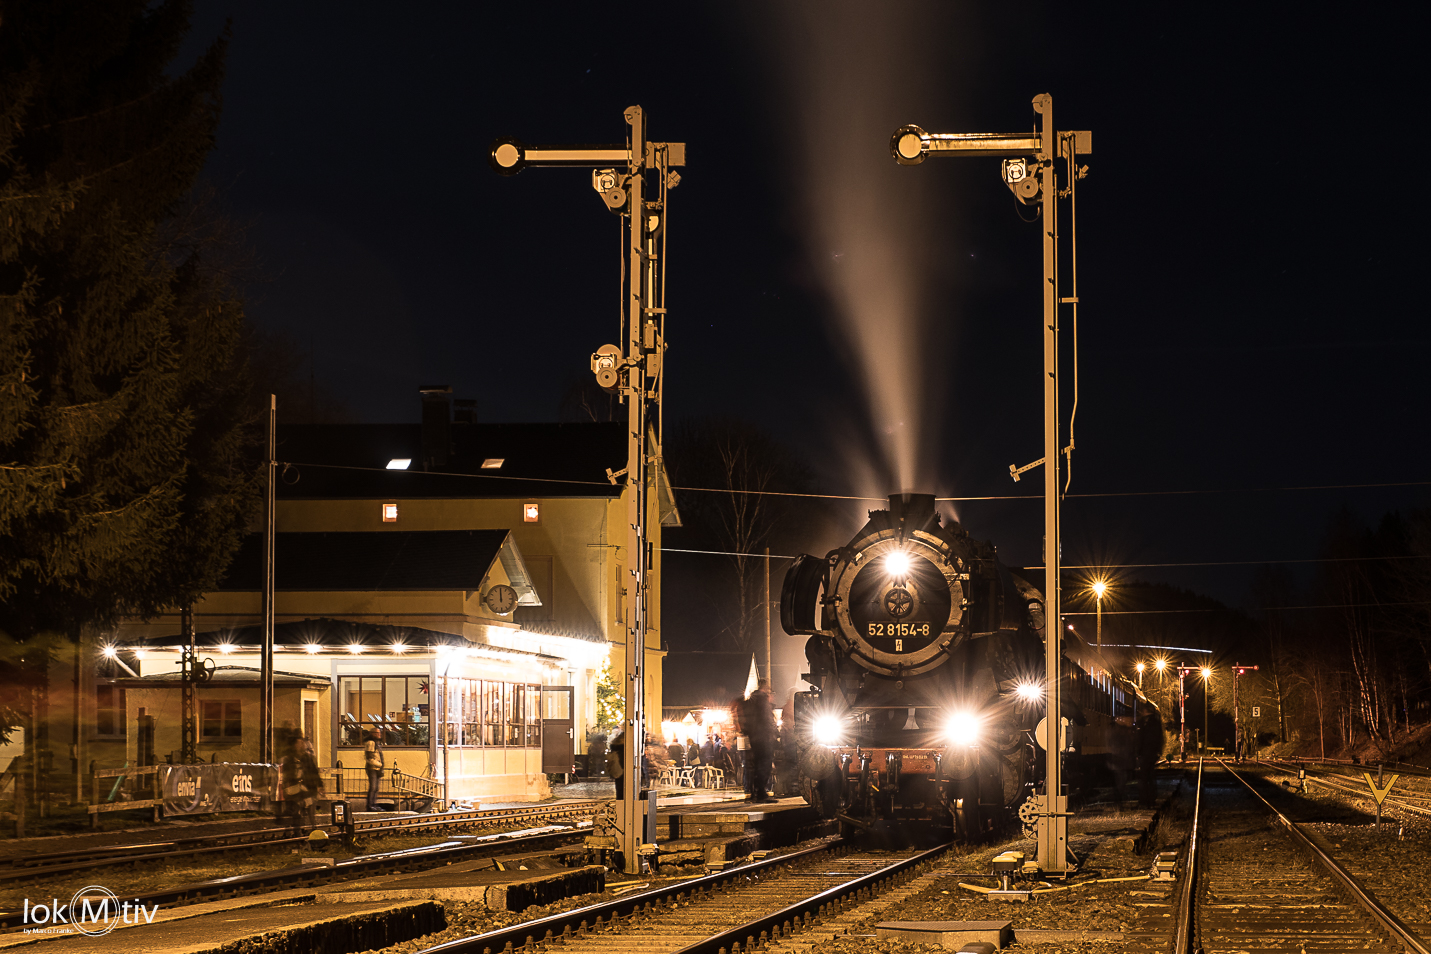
[
  {"x": 753, "y": 760},
  {"x": 713, "y": 753}
]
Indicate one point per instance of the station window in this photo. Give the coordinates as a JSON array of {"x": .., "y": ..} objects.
[
  {"x": 397, "y": 706},
  {"x": 109, "y": 712},
  {"x": 221, "y": 722}
]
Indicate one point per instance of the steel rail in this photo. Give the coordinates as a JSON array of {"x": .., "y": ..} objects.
[
  {"x": 1345, "y": 879},
  {"x": 409, "y": 859},
  {"x": 54, "y": 863},
  {"x": 1184, "y": 927},
  {"x": 753, "y": 933},
  {"x": 593, "y": 915}
]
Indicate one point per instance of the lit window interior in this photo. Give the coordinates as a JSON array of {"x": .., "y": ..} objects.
[
  {"x": 400, "y": 463},
  {"x": 492, "y": 463},
  {"x": 389, "y": 513}
]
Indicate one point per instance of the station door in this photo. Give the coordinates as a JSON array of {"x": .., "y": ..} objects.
[{"x": 558, "y": 730}]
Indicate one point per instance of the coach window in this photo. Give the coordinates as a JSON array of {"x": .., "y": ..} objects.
[{"x": 221, "y": 722}]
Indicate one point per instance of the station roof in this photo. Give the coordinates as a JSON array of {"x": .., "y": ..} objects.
[
  {"x": 538, "y": 460},
  {"x": 382, "y": 560},
  {"x": 326, "y": 634}
]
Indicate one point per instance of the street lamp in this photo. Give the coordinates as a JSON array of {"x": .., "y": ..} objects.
[
  {"x": 1140, "y": 667},
  {"x": 1206, "y": 677},
  {"x": 1099, "y": 588}
]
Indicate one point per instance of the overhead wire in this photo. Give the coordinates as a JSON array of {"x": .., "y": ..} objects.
[{"x": 788, "y": 493}]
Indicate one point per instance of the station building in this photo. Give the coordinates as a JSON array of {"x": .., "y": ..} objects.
[{"x": 460, "y": 587}]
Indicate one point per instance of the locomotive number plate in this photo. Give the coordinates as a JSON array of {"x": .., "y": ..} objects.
[{"x": 898, "y": 629}]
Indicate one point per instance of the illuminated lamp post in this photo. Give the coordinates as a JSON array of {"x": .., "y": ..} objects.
[
  {"x": 1206, "y": 678},
  {"x": 1140, "y": 667},
  {"x": 1099, "y": 588}
]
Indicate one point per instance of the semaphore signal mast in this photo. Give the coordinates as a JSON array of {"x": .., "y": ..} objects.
[
  {"x": 1030, "y": 171},
  {"x": 633, "y": 181}
]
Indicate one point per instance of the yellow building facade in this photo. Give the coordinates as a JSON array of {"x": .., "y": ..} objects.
[{"x": 396, "y": 546}]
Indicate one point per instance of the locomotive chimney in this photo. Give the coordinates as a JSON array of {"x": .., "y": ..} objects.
[{"x": 912, "y": 512}]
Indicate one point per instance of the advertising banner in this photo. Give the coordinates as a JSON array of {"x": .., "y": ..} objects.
[{"x": 218, "y": 787}]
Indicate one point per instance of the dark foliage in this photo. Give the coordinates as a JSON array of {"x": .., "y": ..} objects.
[{"x": 128, "y": 472}]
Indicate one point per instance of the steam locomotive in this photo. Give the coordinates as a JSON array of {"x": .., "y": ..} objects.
[{"x": 927, "y": 661}]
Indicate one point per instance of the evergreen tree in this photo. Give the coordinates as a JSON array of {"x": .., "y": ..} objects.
[{"x": 126, "y": 471}]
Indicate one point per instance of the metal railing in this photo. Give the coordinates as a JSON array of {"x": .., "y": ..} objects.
[{"x": 351, "y": 783}]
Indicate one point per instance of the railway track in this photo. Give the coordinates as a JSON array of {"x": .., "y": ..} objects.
[
  {"x": 775, "y": 902},
  {"x": 1253, "y": 880},
  {"x": 350, "y": 869},
  {"x": 52, "y": 864},
  {"x": 1412, "y": 792}
]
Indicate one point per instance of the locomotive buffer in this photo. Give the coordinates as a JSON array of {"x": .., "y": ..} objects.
[{"x": 1029, "y": 172}]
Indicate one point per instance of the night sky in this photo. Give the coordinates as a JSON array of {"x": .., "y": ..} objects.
[{"x": 1251, "y": 239}]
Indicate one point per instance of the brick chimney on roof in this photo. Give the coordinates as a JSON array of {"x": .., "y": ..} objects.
[{"x": 436, "y": 425}]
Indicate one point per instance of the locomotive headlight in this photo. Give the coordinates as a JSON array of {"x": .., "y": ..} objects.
[
  {"x": 896, "y": 564},
  {"x": 962, "y": 728},
  {"x": 828, "y": 730},
  {"x": 1029, "y": 691}
]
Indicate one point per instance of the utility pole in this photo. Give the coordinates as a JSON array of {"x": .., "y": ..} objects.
[
  {"x": 265, "y": 739},
  {"x": 1034, "y": 183},
  {"x": 633, "y": 180},
  {"x": 1237, "y": 671},
  {"x": 769, "y": 663}
]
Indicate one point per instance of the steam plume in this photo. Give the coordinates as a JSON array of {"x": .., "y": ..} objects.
[{"x": 851, "y": 72}]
